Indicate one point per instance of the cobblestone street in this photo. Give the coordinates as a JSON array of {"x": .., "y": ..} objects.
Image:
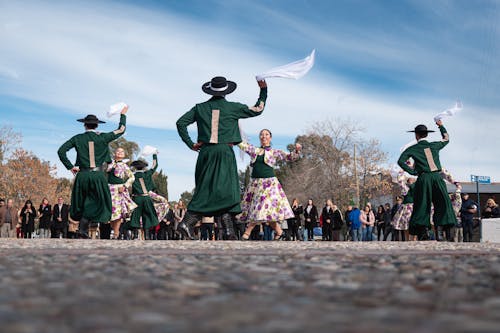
[{"x": 177, "y": 286}]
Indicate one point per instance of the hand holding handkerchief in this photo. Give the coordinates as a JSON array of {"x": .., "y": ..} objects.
[
  {"x": 116, "y": 109},
  {"x": 449, "y": 112},
  {"x": 148, "y": 150},
  {"x": 294, "y": 70}
]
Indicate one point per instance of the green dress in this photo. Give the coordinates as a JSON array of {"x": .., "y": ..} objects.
[
  {"x": 430, "y": 187},
  {"x": 217, "y": 189},
  {"x": 90, "y": 196}
]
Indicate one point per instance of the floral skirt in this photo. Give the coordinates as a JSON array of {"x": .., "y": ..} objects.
[
  {"x": 160, "y": 204},
  {"x": 122, "y": 203},
  {"x": 401, "y": 220},
  {"x": 265, "y": 201}
]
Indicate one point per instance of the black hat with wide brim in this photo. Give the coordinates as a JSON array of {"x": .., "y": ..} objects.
[
  {"x": 421, "y": 129},
  {"x": 219, "y": 86},
  {"x": 91, "y": 119},
  {"x": 139, "y": 164}
]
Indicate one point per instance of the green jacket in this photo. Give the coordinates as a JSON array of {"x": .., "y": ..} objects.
[
  {"x": 91, "y": 147},
  {"x": 425, "y": 154},
  {"x": 217, "y": 119},
  {"x": 143, "y": 182}
]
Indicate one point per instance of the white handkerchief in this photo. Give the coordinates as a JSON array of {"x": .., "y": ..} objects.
[
  {"x": 148, "y": 150},
  {"x": 116, "y": 109},
  {"x": 294, "y": 70},
  {"x": 394, "y": 171},
  {"x": 449, "y": 112}
]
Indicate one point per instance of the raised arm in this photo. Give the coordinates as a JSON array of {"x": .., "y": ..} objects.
[
  {"x": 444, "y": 134},
  {"x": 155, "y": 163},
  {"x": 121, "y": 127},
  {"x": 256, "y": 110}
]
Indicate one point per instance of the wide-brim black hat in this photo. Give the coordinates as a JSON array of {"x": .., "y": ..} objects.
[
  {"x": 219, "y": 86},
  {"x": 139, "y": 164},
  {"x": 91, "y": 119},
  {"x": 421, "y": 129}
]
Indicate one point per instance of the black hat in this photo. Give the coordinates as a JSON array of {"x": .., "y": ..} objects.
[
  {"x": 421, "y": 129},
  {"x": 219, "y": 86},
  {"x": 91, "y": 119},
  {"x": 139, "y": 164}
]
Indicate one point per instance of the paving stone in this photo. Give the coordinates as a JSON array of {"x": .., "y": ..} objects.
[{"x": 184, "y": 286}]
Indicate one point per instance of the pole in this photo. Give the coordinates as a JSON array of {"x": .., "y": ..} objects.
[
  {"x": 356, "y": 177},
  {"x": 479, "y": 210}
]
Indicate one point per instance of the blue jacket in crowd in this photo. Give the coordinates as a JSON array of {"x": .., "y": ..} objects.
[{"x": 354, "y": 217}]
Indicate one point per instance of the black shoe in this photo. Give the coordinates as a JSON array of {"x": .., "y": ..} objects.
[
  {"x": 185, "y": 228},
  {"x": 226, "y": 221}
]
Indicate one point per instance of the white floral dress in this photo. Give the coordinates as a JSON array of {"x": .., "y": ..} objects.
[{"x": 264, "y": 199}]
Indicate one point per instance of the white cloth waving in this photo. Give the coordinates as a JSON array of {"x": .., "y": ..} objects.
[
  {"x": 116, "y": 109},
  {"x": 294, "y": 70},
  {"x": 148, "y": 150},
  {"x": 449, "y": 112}
]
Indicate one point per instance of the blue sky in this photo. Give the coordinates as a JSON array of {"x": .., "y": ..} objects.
[{"x": 388, "y": 65}]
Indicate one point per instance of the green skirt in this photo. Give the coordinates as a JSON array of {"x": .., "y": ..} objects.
[
  {"x": 430, "y": 188},
  {"x": 146, "y": 211},
  {"x": 217, "y": 188},
  {"x": 90, "y": 197}
]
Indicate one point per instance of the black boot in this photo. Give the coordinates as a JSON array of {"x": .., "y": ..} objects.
[
  {"x": 83, "y": 228},
  {"x": 185, "y": 228},
  {"x": 226, "y": 221}
]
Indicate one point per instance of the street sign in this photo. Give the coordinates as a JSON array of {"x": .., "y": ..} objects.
[{"x": 480, "y": 179}]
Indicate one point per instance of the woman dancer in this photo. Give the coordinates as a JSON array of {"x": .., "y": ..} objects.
[
  {"x": 120, "y": 178},
  {"x": 264, "y": 199},
  {"x": 401, "y": 220}
]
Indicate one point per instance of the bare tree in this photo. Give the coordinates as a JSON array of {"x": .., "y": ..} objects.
[{"x": 327, "y": 167}]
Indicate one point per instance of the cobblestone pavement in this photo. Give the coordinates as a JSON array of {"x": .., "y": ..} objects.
[{"x": 180, "y": 286}]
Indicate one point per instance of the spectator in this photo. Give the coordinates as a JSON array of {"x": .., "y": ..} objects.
[
  {"x": 338, "y": 223},
  {"x": 8, "y": 219},
  {"x": 367, "y": 219},
  {"x": 207, "y": 227},
  {"x": 72, "y": 229},
  {"x": 311, "y": 218},
  {"x": 388, "y": 215},
  {"x": 294, "y": 223},
  {"x": 60, "y": 219},
  {"x": 356, "y": 234},
  {"x": 45, "y": 211},
  {"x": 327, "y": 218},
  {"x": 469, "y": 208},
  {"x": 348, "y": 222},
  {"x": 379, "y": 222},
  {"x": 491, "y": 210},
  {"x": 27, "y": 216}
]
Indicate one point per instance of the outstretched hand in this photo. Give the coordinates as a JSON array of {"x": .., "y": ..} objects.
[
  {"x": 439, "y": 123},
  {"x": 262, "y": 83},
  {"x": 124, "y": 110}
]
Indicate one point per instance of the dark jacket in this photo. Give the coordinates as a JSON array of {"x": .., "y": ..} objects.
[
  {"x": 312, "y": 215},
  {"x": 467, "y": 217},
  {"x": 64, "y": 214},
  {"x": 45, "y": 216},
  {"x": 338, "y": 222},
  {"x": 327, "y": 216}
]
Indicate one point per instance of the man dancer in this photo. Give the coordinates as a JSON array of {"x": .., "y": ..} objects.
[
  {"x": 429, "y": 187},
  {"x": 217, "y": 191},
  {"x": 90, "y": 197}
]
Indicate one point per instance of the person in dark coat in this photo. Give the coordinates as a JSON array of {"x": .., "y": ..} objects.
[
  {"x": 327, "y": 218},
  {"x": 311, "y": 218},
  {"x": 27, "y": 215},
  {"x": 60, "y": 219}
]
